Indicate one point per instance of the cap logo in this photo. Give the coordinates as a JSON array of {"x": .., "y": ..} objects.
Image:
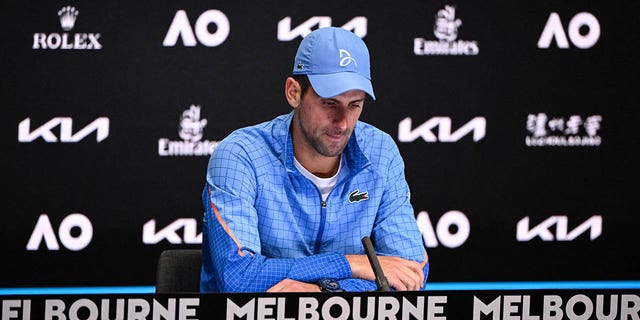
[{"x": 346, "y": 58}]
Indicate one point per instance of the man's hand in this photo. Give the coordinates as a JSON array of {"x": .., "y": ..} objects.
[
  {"x": 402, "y": 274},
  {"x": 288, "y": 285}
]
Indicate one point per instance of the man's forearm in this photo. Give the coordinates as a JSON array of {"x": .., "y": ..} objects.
[{"x": 402, "y": 274}]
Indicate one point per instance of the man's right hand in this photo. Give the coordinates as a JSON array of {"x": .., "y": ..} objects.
[{"x": 402, "y": 274}]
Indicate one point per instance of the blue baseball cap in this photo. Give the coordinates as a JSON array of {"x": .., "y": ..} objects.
[{"x": 335, "y": 60}]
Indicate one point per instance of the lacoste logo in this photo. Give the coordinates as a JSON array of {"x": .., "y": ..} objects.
[{"x": 356, "y": 196}]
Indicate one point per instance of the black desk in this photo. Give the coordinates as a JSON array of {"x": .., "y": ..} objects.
[{"x": 430, "y": 305}]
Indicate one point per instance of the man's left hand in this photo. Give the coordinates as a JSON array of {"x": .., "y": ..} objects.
[{"x": 289, "y": 285}]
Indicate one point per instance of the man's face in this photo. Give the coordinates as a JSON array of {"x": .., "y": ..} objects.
[{"x": 327, "y": 123}]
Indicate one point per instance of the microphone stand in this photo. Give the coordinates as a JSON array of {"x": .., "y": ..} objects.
[{"x": 381, "y": 280}]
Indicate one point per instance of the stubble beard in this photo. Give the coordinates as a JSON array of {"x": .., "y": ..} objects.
[{"x": 331, "y": 149}]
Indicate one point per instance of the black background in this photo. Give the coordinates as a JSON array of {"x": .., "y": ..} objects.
[{"x": 143, "y": 88}]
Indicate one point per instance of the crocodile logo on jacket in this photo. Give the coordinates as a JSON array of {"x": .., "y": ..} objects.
[{"x": 357, "y": 196}]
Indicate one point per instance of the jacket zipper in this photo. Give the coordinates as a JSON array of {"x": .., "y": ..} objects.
[{"x": 323, "y": 218}]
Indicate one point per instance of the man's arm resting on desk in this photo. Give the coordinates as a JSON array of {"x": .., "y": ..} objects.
[{"x": 402, "y": 274}]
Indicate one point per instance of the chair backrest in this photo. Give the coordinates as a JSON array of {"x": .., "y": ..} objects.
[{"x": 178, "y": 270}]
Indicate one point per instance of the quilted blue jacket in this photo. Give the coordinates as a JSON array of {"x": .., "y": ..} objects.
[{"x": 264, "y": 221}]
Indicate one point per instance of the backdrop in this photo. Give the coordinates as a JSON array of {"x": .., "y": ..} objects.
[{"x": 517, "y": 122}]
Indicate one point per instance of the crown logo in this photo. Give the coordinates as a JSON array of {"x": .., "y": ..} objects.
[{"x": 67, "y": 16}]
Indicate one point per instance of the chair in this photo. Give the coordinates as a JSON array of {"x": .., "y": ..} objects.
[{"x": 178, "y": 270}]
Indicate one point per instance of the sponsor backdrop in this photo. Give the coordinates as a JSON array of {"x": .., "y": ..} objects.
[{"x": 517, "y": 123}]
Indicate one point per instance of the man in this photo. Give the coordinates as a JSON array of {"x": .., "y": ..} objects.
[{"x": 288, "y": 201}]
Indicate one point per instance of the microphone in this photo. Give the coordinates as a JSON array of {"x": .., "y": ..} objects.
[{"x": 381, "y": 280}]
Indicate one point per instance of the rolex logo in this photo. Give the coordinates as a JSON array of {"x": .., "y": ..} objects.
[
  {"x": 68, "y": 17},
  {"x": 67, "y": 40}
]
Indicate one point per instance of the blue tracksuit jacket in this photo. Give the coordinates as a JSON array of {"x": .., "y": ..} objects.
[{"x": 264, "y": 221}]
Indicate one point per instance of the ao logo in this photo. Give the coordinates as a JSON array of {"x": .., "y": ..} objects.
[
  {"x": 44, "y": 231},
  {"x": 181, "y": 28},
  {"x": 553, "y": 29},
  {"x": 443, "y": 232}
]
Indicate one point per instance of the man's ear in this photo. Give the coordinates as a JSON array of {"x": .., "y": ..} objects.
[{"x": 293, "y": 92}]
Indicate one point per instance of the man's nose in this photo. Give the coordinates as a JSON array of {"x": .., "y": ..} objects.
[{"x": 340, "y": 117}]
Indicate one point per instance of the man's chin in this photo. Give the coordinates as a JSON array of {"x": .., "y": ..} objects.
[{"x": 332, "y": 151}]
